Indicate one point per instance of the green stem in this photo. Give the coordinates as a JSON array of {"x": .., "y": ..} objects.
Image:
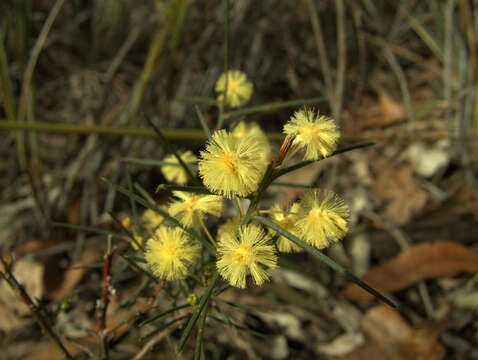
[
  {"x": 203, "y": 226},
  {"x": 239, "y": 206},
  {"x": 199, "y": 309},
  {"x": 222, "y": 105}
]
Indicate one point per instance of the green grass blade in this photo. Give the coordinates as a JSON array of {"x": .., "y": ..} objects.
[
  {"x": 198, "y": 100},
  {"x": 131, "y": 200},
  {"x": 206, "y": 129},
  {"x": 324, "y": 258},
  {"x": 173, "y": 151},
  {"x": 197, "y": 311},
  {"x": 6, "y": 84},
  {"x": 272, "y": 106},
  {"x": 307, "y": 162},
  {"x": 136, "y": 267},
  {"x": 289, "y": 184},
  {"x": 160, "y": 211},
  {"x": 90, "y": 229},
  {"x": 163, "y": 313},
  {"x": 199, "y": 336},
  {"x": 239, "y": 327},
  {"x": 424, "y": 33},
  {"x": 154, "y": 162},
  {"x": 129, "y": 233},
  {"x": 191, "y": 189},
  {"x": 130, "y": 300},
  {"x": 241, "y": 306}
]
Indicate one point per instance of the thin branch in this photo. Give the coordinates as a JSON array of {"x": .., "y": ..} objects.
[
  {"x": 102, "y": 305},
  {"x": 321, "y": 49},
  {"x": 23, "y": 295},
  {"x": 341, "y": 61},
  {"x": 32, "y": 61}
]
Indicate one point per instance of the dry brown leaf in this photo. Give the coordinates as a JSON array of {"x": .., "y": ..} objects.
[
  {"x": 392, "y": 110},
  {"x": 419, "y": 262},
  {"x": 398, "y": 186},
  {"x": 389, "y": 335}
]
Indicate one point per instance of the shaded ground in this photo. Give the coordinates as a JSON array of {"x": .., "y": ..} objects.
[{"x": 406, "y": 80}]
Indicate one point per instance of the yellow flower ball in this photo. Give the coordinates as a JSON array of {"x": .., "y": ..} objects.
[
  {"x": 322, "y": 218},
  {"x": 230, "y": 166},
  {"x": 175, "y": 173},
  {"x": 170, "y": 253},
  {"x": 316, "y": 133},
  {"x": 253, "y": 130},
  {"x": 152, "y": 218},
  {"x": 249, "y": 251},
  {"x": 192, "y": 208},
  {"x": 239, "y": 88},
  {"x": 287, "y": 219}
]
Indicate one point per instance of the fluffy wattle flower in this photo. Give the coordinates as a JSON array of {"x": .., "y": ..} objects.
[
  {"x": 192, "y": 208},
  {"x": 239, "y": 89},
  {"x": 230, "y": 166},
  {"x": 152, "y": 218},
  {"x": 322, "y": 218},
  {"x": 316, "y": 133},
  {"x": 175, "y": 173},
  {"x": 287, "y": 219},
  {"x": 170, "y": 253},
  {"x": 249, "y": 251},
  {"x": 253, "y": 130}
]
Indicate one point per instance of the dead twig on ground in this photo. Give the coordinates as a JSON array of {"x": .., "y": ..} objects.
[
  {"x": 102, "y": 305},
  {"x": 11, "y": 280}
]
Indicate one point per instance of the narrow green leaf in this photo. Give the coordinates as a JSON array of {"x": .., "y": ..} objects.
[
  {"x": 90, "y": 229},
  {"x": 136, "y": 258},
  {"x": 163, "y": 327},
  {"x": 307, "y": 162},
  {"x": 129, "y": 233},
  {"x": 140, "y": 269},
  {"x": 197, "y": 311},
  {"x": 153, "y": 162},
  {"x": 148, "y": 162},
  {"x": 130, "y": 300},
  {"x": 191, "y": 189},
  {"x": 173, "y": 151},
  {"x": 424, "y": 33},
  {"x": 239, "y": 327},
  {"x": 6, "y": 84},
  {"x": 324, "y": 258},
  {"x": 198, "y": 100},
  {"x": 160, "y": 211},
  {"x": 273, "y": 106},
  {"x": 143, "y": 193},
  {"x": 131, "y": 200},
  {"x": 163, "y": 313},
  {"x": 289, "y": 184},
  {"x": 206, "y": 129},
  {"x": 199, "y": 336},
  {"x": 241, "y": 306}
]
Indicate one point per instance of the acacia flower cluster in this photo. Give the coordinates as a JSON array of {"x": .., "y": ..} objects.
[{"x": 232, "y": 166}]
